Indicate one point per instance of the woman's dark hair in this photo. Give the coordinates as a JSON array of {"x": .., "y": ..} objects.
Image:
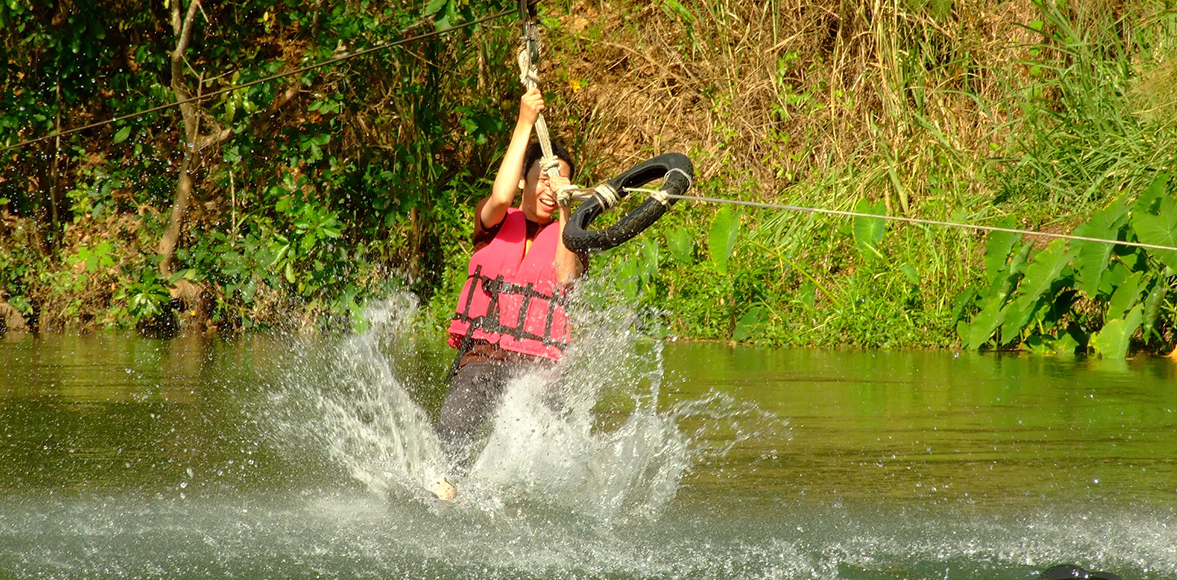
[{"x": 535, "y": 152}]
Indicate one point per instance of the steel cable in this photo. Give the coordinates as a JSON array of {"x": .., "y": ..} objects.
[{"x": 919, "y": 221}]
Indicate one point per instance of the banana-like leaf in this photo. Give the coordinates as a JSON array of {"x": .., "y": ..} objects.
[
  {"x": 1113, "y": 340},
  {"x": 997, "y": 249},
  {"x": 725, "y": 228},
  {"x": 1016, "y": 317},
  {"x": 985, "y": 322},
  {"x": 909, "y": 271},
  {"x": 1159, "y": 230},
  {"x": 650, "y": 256},
  {"x": 1152, "y": 196},
  {"x": 1092, "y": 260},
  {"x": 868, "y": 232},
  {"x": 1124, "y": 297},
  {"x": 1040, "y": 274},
  {"x": 750, "y": 324},
  {"x": 1064, "y": 345},
  {"x": 1005, "y": 282},
  {"x": 1152, "y": 307},
  {"x": 681, "y": 246},
  {"x": 1017, "y": 265}
]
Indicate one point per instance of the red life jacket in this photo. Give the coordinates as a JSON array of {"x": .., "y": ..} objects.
[{"x": 511, "y": 299}]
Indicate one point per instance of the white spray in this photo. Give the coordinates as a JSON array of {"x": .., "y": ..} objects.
[{"x": 605, "y": 451}]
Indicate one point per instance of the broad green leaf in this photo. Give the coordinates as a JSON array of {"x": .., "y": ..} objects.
[
  {"x": 1152, "y": 307},
  {"x": 630, "y": 274},
  {"x": 289, "y": 272},
  {"x": 433, "y": 7},
  {"x": 1042, "y": 272},
  {"x": 963, "y": 301},
  {"x": 1124, "y": 297},
  {"x": 1065, "y": 344},
  {"x": 725, "y": 228},
  {"x": 1156, "y": 190},
  {"x": 1092, "y": 261},
  {"x": 985, "y": 322},
  {"x": 909, "y": 271},
  {"x": 868, "y": 232},
  {"x": 1158, "y": 230},
  {"x": 681, "y": 246},
  {"x": 997, "y": 249},
  {"x": 750, "y": 324},
  {"x": 1038, "y": 345},
  {"x": 1116, "y": 274},
  {"x": 1004, "y": 284},
  {"x": 122, "y": 135},
  {"x": 675, "y": 7},
  {"x": 1113, "y": 340},
  {"x": 962, "y": 330},
  {"x": 649, "y": 256},
  {"x": 1018, "y": 264},
  {"x": 807, "y": 294},
  {"x": 1016, "y": 317}
]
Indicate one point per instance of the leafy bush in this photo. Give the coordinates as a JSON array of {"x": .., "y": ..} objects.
[{"x": 1072, "y": 296}]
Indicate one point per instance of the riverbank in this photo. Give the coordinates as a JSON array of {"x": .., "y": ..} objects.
[{"x": 357, "y": 180}]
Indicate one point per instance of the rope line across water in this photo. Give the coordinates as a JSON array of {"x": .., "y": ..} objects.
[
  {"x": 301, "y": 70},
  {"x": 919, "y": 221}
]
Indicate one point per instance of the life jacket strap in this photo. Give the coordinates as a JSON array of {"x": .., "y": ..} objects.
[{"x": 489, "y": 322}]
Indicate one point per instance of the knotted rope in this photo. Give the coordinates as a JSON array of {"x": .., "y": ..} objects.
[
  {"x": 549, "y": 163},
  {"x": 529, "y": 77}
]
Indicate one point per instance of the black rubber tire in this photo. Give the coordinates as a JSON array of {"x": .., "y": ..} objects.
[{"x": 579, "y": 238}]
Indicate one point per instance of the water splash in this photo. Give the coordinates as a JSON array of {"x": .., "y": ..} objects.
[
  {"x": 372, "y": 426},
  {"x": 603, "y": 450}
]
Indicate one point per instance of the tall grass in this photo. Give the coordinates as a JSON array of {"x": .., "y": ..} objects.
[
  {"x": 967, "y": 111},
  {"x": 1083, "y": 137}
]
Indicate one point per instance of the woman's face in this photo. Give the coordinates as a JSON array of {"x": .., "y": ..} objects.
[{"x": 539, "y": 199}]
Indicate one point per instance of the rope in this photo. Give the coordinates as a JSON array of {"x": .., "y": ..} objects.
[
  {"x": 606, "y": 196},
  {"x": 690, "y": 182},
  {"x": 529, "y": 77},
  {"x": 213, "y": 94},
  {"x": 662, "y": 196},
  {"x": 920, "y": 221}
]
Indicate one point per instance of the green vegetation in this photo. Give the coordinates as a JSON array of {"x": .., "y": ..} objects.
[
  {"x": 1030, "y": 115},
  {"x": 1070, "y": 296},
  {"x": 286, "y": 203},
  {"x": 308, "y": 195}
]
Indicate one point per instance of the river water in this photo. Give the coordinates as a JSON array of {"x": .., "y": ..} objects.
[{"x": 289, "y": 457}]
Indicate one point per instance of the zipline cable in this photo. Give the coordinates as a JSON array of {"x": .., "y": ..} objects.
[
  {"x": 206, "y": 96},
  {"x": 919, "y": 221}
]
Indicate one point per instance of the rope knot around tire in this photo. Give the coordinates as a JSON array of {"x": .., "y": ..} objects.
[
  {"x": 606, "y": 195},
  {"x": 676, "y": 171}
]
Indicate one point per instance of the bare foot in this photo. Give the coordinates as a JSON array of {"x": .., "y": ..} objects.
[{"x": 443, "y": 489}]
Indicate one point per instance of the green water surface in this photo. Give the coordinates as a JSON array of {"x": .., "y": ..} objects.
[{"x": 130, "y": 457}]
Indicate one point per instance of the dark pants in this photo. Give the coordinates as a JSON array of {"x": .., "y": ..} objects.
[{"x": 475, "y": 392}]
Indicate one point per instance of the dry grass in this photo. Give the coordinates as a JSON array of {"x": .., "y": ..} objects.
[
  {"x": 766, "y": 95},
  {"x": 775, "y": 92}
]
